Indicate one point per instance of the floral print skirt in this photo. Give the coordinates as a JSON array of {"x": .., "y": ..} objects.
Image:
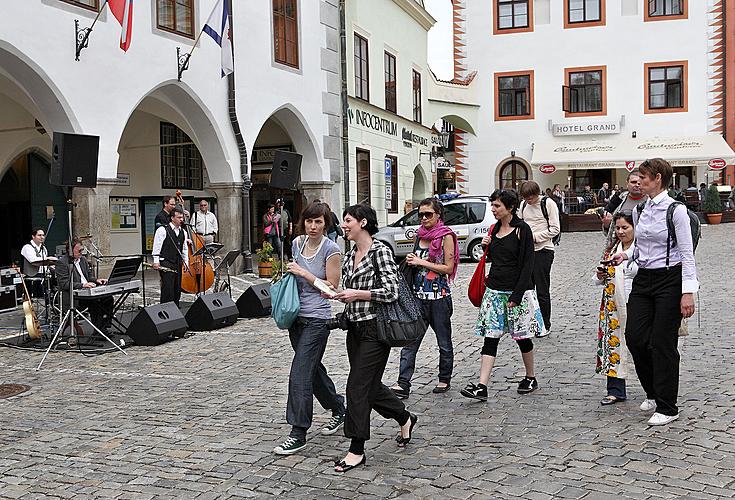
[{"x": 496, "y": 319}]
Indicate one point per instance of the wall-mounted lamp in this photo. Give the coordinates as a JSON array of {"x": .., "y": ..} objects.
[
  {"x": 633, "y": 134},
  {"x": 513, "y": 153}
]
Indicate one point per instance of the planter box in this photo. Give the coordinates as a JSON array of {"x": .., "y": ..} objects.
[{"x": 572, "y": 223}]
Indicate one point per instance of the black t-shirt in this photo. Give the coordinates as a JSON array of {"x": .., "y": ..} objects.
[
  {"x": 162, "y": 219},
  {"x": 504, "y": 271}
]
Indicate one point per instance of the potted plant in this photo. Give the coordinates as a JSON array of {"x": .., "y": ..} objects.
[
  {"x": 265, "y": 260},
  {"x": 712, "y": 206}
]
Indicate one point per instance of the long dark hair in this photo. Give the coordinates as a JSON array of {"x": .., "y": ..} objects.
[{"x": 628, "y": 217}]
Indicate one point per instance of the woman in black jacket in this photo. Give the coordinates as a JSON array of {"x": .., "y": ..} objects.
[{"x": 509, "y": 305}]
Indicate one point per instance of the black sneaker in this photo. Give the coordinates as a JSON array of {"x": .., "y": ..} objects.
[
  {"x": 527, "y": 385},
  {"x": 473, "y": 391},
  {"x": 400, "y": 392},
  {"x": 289, "y": 446},
  {"x": 333, "y": 425}
]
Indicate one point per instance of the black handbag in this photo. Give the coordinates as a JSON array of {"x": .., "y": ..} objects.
[{"x": 401, "y": 322}]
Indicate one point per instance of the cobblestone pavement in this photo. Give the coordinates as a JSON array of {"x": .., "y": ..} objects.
[{"x": 198, "y": 417}]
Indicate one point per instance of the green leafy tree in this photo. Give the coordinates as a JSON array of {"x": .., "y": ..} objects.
[{"x": 712, "y": 203}]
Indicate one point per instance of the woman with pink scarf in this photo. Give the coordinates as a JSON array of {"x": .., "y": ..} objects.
[{"x": 434, "y": 265}]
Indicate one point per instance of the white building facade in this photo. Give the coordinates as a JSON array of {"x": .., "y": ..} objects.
[
  {"x": 577, "y": 92},
  {"x": 157, "y": 134}
]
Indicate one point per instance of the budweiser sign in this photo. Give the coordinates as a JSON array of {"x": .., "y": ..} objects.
[
  {"x": 547, "y": 169},
  {"x": 717, "y": 164}
]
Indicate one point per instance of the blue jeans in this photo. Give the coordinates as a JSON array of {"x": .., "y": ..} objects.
[
  {"x": 308, "y": 377},
  {"x": 616, "y": 387},
  {"x": 438, "y": 313}
]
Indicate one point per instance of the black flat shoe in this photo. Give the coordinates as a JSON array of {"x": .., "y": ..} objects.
[
  {"x": 344, "y": 467},
  {"x": 441, "y": 390},
  {"x": 610, "y": 400},
  {"x": 402, "y": 441}
]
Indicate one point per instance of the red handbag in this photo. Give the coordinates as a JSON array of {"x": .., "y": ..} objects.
[{"x": 476, "y": 290}]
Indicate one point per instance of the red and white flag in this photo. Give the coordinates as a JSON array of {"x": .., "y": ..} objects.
[{"x": 123, "y": 12}]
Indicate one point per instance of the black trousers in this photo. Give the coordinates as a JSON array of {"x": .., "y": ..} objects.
[
  {"x": 365, "y": 390},
  {"x": 171, "y": 286},
  {"x": 542, "y": 261},
  {"x": 651, "y": 333}
]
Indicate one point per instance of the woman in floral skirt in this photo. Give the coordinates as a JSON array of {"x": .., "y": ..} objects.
[
  {"x": 617, "y": 281},
  {"x": 509, "y": 305}
]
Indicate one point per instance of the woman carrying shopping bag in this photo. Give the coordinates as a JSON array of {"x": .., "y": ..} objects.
[{"x": 316, "y": 258}]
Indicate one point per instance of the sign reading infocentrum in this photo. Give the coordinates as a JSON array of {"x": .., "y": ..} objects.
[{"x": 373, "y": 121}]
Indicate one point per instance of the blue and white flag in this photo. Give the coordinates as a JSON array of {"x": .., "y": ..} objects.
[{"x": 218, "y": 27}]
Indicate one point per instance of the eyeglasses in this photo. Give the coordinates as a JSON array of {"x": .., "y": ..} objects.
[{"x": 426, "y": 215}]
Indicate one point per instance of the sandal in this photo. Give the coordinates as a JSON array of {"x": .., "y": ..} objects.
[
  {"x": 344, "y": 467},
  {"x": 610, "y": 400},
  {"x": 403, "y": 441}
]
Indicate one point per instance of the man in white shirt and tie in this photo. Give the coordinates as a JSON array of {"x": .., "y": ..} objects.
[
  {"x": 169, "y": 254},
  {"x": 205, "y": 222}
]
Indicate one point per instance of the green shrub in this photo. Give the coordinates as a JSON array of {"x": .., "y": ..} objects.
[{"x": 712, "y": 203}]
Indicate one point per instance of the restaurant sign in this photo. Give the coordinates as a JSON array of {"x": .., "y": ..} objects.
[
  {"x": 717, "y": 164},
  {"x": 585, "y": 128},
  {"x": 547, "y": 169}
]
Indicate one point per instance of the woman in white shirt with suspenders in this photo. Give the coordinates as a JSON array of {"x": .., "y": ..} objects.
[{"x": 663, "y": 291}]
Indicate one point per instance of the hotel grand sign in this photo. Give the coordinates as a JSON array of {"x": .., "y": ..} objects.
[{"x": 585, "y": 128}]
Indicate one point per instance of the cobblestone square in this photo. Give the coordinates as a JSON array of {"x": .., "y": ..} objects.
[{"x": 199, "y": 417}]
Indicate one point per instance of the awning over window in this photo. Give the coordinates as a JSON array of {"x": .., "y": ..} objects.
[{"x": 629, "y": 153}]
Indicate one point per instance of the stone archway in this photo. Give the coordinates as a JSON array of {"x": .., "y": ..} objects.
[
  {"x": 33, "y": 107},
  {"x": 512, "y": 172},
  {"x": 285, "y": 129},
  {"x": 420, "y": 188}
]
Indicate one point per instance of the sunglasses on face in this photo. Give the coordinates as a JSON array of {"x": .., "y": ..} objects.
[{"x": 426, "y": 215}]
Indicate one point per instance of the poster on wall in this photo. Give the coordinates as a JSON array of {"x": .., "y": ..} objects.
[{"x": 123, "y": 213}]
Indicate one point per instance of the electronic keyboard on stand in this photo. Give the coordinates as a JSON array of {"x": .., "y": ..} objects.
[{"x": 108, "y": 290}]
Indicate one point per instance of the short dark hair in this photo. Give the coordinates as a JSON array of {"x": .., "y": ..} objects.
[
  {"x": 435, "y": 205},
  {"x": 177, "y": 210},
  {"x": 314, "y": 210},
  {"x": 71, "y": 244},
  {"x": 530, "y": 188},
  {"x": 632, "y": 173},
  {"x": 167, "y": 198},
  {"x": 654, "y": 166},
  {"x": 35, "y": 230},
  {"x": 508, "y": 197},
  {"x": 363, "y": 211}
]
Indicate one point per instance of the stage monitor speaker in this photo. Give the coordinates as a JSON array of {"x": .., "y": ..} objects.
[
  {"x": 157, "y": 324},
  {"x": 74, "y": 160},
  {"x": 255, "y": 302},
  {"x": 286, "y": 170},
  {"x": 212, "y": 311}
]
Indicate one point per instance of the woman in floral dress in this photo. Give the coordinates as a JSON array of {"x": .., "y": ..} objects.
[
  {"x": 509, "y": 305},
  {"x": 617, "y": 282}
]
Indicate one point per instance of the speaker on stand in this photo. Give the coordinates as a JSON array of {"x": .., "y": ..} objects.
[
  {"x": 286, "y": 170},
  {"x": 74, "y": 160}
]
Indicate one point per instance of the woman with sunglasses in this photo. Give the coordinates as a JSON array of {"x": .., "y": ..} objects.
[
  {"x": 435, "y": 258},
  {"x": 612, "y": 353},
  {"x": 509, "y": 305},
  {"x": 663, "y": 291},
  {"x": 369, "y": 274}
]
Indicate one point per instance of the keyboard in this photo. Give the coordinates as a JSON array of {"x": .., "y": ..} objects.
[{"x": 107, "y": 290}]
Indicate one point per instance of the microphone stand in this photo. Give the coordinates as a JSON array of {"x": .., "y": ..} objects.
[{"x": 46, "y": 272}]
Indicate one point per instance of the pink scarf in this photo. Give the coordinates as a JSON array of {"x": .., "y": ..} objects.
[{"x": 436, "y": 235}]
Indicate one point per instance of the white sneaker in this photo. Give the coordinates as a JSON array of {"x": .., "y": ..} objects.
[
  {"x": 661, "y": 419},
  {"x": 544, "y": 333},
  {"x": 648, "y": 405}
]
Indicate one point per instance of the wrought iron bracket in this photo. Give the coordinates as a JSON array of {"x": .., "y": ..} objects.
[
  {"x": 182, "y": 61},
  {"x": 82, "y": 38}
]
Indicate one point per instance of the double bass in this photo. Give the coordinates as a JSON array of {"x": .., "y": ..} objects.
[{"x": 200, "y": 275}]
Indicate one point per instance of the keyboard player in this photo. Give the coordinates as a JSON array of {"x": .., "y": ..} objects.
[{"x": 82, "y": 277}]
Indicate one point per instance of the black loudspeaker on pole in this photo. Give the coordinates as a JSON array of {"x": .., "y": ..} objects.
[
  {"x": 286, "y": 170},
  {"x": 74, "y": 160}
]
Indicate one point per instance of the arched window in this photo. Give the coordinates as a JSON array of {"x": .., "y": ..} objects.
[{"x": 512, "y": 175}]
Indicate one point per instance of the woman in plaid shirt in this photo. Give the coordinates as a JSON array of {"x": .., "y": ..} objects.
[{"x": 361, "y": 287}]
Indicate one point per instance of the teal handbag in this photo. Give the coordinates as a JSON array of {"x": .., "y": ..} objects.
[{"x": 285, "y": 303}]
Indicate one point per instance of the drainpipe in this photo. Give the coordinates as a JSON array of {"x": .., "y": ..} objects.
[
  {"x": 247, "y": 257},
  {"x": 345, "y": 120}
]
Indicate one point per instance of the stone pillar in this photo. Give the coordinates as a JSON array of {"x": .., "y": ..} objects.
[
  {"x": 92, "y": 213},
  {"x": 229, "y": 215},
  {"x": 321, "y": 190}
]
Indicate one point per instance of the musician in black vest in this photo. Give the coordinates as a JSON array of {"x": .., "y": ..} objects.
[{"x": 169, "y": 253}]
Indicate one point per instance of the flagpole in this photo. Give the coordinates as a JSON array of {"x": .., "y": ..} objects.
[
  {"x": 184, "y": 60},
  {"x": 82, "y": 35}
]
